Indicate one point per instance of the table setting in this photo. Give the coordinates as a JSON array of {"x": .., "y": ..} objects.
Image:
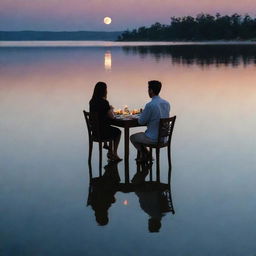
[{"x": 126, "y": 114}]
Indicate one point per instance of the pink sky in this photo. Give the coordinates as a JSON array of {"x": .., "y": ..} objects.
[{"x": 88, "y": 14}]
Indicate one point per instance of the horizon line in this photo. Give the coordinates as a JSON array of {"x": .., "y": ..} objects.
[{"x": 57, "y": 31}]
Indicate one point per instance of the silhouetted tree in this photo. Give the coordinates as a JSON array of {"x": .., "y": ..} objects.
[{"x": 202, "y": 27}]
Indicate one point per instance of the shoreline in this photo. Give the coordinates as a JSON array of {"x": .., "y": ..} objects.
[{"x": 90, "y": 43}]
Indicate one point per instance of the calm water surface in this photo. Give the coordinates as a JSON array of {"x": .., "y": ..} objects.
[{"x": 44, "y": 180}]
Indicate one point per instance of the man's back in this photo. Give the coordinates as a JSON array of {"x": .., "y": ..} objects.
[{"x": 154, "y": 110}]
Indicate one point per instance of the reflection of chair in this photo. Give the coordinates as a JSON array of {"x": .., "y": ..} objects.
[
  {"x": 94, "y": 136},
  {"x": 166, "y": 126},
  {"x": 138, "y": 181},
  {"x": 163, "y": 189},
  {"x": 102, "y": 192}
]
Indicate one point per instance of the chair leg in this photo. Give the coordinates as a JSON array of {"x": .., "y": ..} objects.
[
  {"x": 170, "y": 200},
  {"x": 100, "y": 158},
  {"x": 90, "y": 152},
  {"x": 169, "y": 157},
  {"x": 169, "y": 178},
  {"x": 90, "y": 171},
  {"x": 137, "y": 162},
  {"x": 157, "y": 164},
  {"x": 151, "y": 163},
  {"x": 170, "y": 190}
]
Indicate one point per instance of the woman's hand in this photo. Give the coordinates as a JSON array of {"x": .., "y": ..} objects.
[{"x": 111, "y": 112}]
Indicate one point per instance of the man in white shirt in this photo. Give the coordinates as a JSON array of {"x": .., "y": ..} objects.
[{"x": 154, "y": 110}]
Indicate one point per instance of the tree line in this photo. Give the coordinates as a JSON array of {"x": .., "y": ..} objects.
[
  {"x": 199, "y": 54},
  {"x": 199, "y": 28}
]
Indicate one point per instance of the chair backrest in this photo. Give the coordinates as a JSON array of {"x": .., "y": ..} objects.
[
  {"x": 88, "y": 123},
  {"x": 166, "y": 126},
  {"x": 92, "y": 122}
]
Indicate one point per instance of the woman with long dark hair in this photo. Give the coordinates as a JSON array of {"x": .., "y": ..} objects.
[{"x": 104, "y": 111}]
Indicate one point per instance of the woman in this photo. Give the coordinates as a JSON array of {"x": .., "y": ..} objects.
[{"x": 100, "y": 106}]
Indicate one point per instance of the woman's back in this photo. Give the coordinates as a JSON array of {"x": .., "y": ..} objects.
[{"x": 100, "y": 107}]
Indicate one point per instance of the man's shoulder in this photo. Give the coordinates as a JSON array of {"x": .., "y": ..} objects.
[
  {"x": 163, "y": 100},
  {"x": 148, "y": 105},
  {"x": 154, "y": 103}
]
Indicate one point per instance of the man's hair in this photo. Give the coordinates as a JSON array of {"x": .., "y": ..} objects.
[
  {"x": 155, "y": 86},
  {"x": 154, "y": 225}
]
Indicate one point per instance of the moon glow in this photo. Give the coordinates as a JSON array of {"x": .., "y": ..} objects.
[{"x": 107, "y": 20}]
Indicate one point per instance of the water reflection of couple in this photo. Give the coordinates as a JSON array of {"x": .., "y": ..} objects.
[
  {"x": 154, "y": 110},
  {"x": 153, "y": 196},
  {"x": 102, "y": 192},
  {"x": 154, "y": 202}
]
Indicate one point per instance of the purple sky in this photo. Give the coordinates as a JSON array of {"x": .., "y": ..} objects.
[{"x": 88, "y": 14}]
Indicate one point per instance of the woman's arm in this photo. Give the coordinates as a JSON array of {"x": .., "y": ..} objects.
[{"x": 111, "y": 113}]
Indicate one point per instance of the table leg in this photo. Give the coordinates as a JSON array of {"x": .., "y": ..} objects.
[{"x": 126, "y": 154}]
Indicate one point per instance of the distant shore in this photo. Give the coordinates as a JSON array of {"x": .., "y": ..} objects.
[
  {"x": 112, "y": 44},
  {"x": 138, "y": 41},
  {"x": 114, "y": 36},
  {"x": 59, "y": 36},
  {"x": 202, "y": 27}
]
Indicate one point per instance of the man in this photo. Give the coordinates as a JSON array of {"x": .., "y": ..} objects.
[{"x": 154, "y": 110}]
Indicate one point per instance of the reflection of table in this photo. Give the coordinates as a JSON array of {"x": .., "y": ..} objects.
[{"x": 126, "y": 124}]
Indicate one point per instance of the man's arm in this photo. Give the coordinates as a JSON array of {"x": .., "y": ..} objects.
[{"x": 145, "y": 115}]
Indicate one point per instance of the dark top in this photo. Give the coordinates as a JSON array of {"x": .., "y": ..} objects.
[{"x": 101, "y": 107}]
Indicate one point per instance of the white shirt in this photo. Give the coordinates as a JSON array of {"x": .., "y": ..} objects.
[{"x": 154, "y": 110}]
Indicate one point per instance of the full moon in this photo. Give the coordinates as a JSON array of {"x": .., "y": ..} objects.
[{"x": 107, "y": 20}]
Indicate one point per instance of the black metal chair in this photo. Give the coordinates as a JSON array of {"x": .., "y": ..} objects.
[
  {"x": 92, "y": 123},
  {"x": 166, "y": 126}
]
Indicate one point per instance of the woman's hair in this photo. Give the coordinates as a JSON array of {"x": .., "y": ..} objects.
[{"x": 100, "y": 90}]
